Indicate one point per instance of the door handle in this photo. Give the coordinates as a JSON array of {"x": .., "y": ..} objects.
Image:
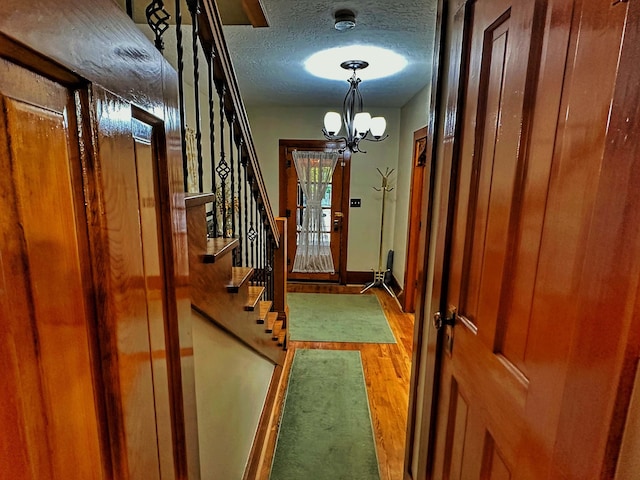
[
  {"x": 449, "y": 319},
  {"x": 337, "y": 220}
]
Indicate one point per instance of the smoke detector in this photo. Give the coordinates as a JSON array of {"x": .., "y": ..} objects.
[{"x": 345, "y": 20}]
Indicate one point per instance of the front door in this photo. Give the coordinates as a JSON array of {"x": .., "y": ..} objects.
[
  {"x": 293, "y": 204},
  {"x": 529, "y": 383}
]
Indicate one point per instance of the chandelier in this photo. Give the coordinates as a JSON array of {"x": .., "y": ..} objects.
[{"x": 358, "y": 124}]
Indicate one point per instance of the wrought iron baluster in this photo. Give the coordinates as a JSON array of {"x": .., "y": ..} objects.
[
  {"x": 240, "y": 240},
  {"x": 194, "y": 10},
  {"x": 246, "y": 210},
  {"x": 259, "y": 241},
  {"x": 261, "y": 244},
  {"x": 267, "y": 248},
  {"x": 267, "y": 272},
  {"x": 251, "y": 233},
  {"x": 272, "y": 253},
  {"x": 233, "y": 177},
  {"x": 273, "y": 266},
  {"x": 212, "y": 139},
  {"x": 254, "y": 245},
  {"x": 223, "y": 166},
  {"x": 180, "y": 59},
  {"x": 157, "y": 18},
  {"x": 265, "y": 259}
]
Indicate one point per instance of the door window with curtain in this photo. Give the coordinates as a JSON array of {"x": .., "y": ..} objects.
[{"x": 313, "y": 220}]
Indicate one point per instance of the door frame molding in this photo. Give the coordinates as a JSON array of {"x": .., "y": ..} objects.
[
  {"x": 285, "y": 144},
  {"x": 421, "y": 175},
  {"x": 442, "y": 153}
]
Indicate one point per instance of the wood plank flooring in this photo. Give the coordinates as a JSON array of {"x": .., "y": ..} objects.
[{"x": 387, "y": 370}]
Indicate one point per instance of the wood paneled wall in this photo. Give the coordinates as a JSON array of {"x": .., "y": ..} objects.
[{"x": 95, "y": 332}]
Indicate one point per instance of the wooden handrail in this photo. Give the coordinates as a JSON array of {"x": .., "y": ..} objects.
[{"x": 212, "y": 36}]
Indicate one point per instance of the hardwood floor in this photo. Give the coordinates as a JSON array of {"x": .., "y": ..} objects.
[{"x": 387, "y": 370}]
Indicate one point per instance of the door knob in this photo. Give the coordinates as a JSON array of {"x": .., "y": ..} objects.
[{"x": 450, "y": 319}]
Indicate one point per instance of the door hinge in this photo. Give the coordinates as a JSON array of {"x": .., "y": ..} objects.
[
  {"x": 287, "y": 213},
  {"x": 288, "y": 163},
  {"x": 288, "y": 261}
]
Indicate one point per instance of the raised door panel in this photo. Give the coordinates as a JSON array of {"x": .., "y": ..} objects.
[
  {"x": 50, "y": 421},
  {"x": 147, "y": 147},
  {"x": 129, "y": 243}
]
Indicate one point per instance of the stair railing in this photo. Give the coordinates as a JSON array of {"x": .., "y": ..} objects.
[{"x": 228, "y": 165}]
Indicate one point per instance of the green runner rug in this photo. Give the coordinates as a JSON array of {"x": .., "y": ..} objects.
[
  {"x": 325, "y": 430},
  {"x": 328, "y": 317}
]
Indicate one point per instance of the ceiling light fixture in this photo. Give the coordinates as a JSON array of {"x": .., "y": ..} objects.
[
  {"x": 359, "y": 125},
  {"x": 387, "y": 63}
]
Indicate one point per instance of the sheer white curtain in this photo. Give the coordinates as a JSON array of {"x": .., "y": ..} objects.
[{"x": 313, "y": 252}]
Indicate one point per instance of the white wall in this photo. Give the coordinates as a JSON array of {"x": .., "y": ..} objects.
[
  {"x": 270, "y": 124},
  {"x": 231, "y": 388},
  {"x": 413, "y": 116}
]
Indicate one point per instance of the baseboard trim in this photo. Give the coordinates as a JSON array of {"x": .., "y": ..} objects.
[
  {"x": 261, "y": 439},
  {"x": 264, "y": 442},
  {"x": 367, "y": 277},
  {"x": 397, "y": 289},
  {"x": 359, "y": 277}
]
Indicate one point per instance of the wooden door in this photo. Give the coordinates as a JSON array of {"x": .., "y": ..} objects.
[
  {"x": 94, "y": 332},
  {"x": 421, "y": 176},
  {"x": 531, "y": 384},
  {"x": 335, "y": 207}
]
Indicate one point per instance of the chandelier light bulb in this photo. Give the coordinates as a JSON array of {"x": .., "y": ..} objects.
[
  {"x": 332, "y": 123},
  {"x": 361, "y": 123},
  {"x": 378, "y": 126}
]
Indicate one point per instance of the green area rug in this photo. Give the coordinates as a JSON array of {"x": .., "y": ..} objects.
[
  {"x": 325, "y": 317},
  {"x": 325, "y": 430}
]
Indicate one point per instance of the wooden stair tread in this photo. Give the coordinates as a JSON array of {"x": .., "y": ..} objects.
[
  {"x": 277, "y": 328},
  {"x": 272, "y": 318},
  {"x": 255, "y": 294},
  {"x": 265, "y": 308},
  {"x": 239, "y": 275},
  {"x": 282, "y": 339},
  {"x": 218, "y": 247},
  {"x": 195, "y": 199}
]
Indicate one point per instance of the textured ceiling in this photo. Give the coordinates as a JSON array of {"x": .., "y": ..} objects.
[{"x": 269, "y": 62}]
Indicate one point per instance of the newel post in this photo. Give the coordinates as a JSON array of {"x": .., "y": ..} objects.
[{"x": 280, "y": 272}]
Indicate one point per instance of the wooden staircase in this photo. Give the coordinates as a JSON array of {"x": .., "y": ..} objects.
[{"x": 226, "y": 294}]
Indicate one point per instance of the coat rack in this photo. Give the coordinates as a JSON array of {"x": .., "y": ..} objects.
[{"x": 380, "y": 274}]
